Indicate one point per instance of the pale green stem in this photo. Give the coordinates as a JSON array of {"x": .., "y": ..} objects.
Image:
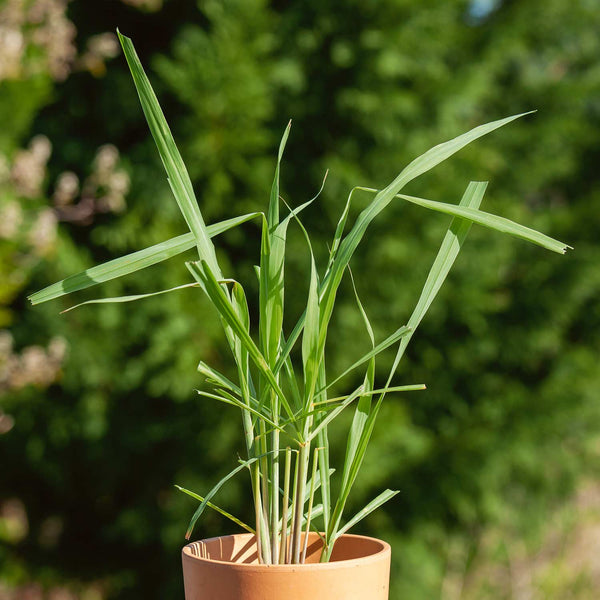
[
  {"x": 260, "y": 534},
  {"x": 288, "y": 551},
  {"x": 275, "y": 486},
  {"x": 310, "y": 502},
  {"x": 264, "y": 472},
  {"x": 286, "y": 500},
  {"x": 303, "y": 458}
]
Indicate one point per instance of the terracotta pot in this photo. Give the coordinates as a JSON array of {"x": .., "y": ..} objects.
[{"x": 226, "y": 568}]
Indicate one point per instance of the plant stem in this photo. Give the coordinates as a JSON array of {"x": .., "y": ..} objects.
[
  {"x": 303, "y": 458},
  {"x": 275, "y": 486},
  {"x": 264, "y": 473},
  {"x": 310, "y": 501},
  {"x": 288, "y": 551},
  {"x": 260, "y": 533},
  {"x": 286, "y": 500}
]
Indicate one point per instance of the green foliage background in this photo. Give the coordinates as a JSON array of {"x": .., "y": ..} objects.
[{"x": 509, "y": 424}]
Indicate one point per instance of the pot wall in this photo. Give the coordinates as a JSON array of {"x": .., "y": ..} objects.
[{"x": 226, "y": 568}]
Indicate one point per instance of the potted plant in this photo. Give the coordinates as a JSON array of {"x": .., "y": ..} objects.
[{"x": 298, "y": 545}]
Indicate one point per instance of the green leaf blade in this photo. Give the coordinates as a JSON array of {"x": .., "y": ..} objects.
[
  {"x": 131, "y": 263},
  {"x": 218, "y": 509},
  {"x": 492, "y": 221},
  {"x": 177, "y": 174}
]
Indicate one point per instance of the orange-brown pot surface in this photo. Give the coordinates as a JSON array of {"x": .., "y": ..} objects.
[{"x": 226, "y": 568}]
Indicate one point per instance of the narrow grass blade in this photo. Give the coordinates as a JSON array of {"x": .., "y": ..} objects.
[
  {"x": 271, "y": 278},
  {"x": 286, "y": 505},
  {"x": 348, "y": 245},
  {"x": 367, "y": 510},
  {"x": 492, "y": 222},
  {"x": 218, "y": 509},
  {"x": 311, "y": 499},
  {"x": 357, "y": 429},
  {"x": 317, "y": 511},
  {"x": 451, "y": 245},
  {"x": 317, "y": 484},
  {"x": 387, "y": 390},
  {"x": 273, "y": 212},
  {"x": 417, "y": 167},
  {"x": 131, "y": 263},
  {"x": 213, "y": 491},
  {"x": 339, "y": 230},
  {"x": 243, "y": 465},
  {"x": 323, "y": 443},
  {"x": 213, "y": 375},
  {"x": 229, "y": 399},
  {"x": 290, "y": 377},
  {"x": 311, "y": 357},
  {"x": 389, "y": 341},
  {"x": 202, "y": 273},
  {"x": 447, "y": 254},
  {"x": 178, "y": 177},
  {"x": 362, "y": 311},
  {"x": 335, "y": 412},
  {"x": 119, "y": 299}
]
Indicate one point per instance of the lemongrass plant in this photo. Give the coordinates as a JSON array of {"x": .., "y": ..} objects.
[{"x": 286, "y": 408}]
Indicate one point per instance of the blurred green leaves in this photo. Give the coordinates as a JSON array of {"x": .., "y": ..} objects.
[{"x": 508, "y": 423}]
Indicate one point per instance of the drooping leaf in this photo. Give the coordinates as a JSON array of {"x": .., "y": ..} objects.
[
  {"x": 202, "y": 273},
  {"x": 132, "y": 263},
  {"x": 214, "y": 490},
  {"x": 120, "y": 299},
  {"x": 367, "y": 510},
  {"x": 218, "y": 509}
]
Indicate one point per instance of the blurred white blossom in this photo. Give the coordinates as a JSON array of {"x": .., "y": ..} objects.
[
  {"x": 35, "y": 365},
  {"x": 11, "y": 218},
  {"x": 99, "y": 49},
  {"x": 41, "y": 24},
  {"x": 67, "y": 188},
  {"x": 29, "y": 167},
  {"x": 42, "y": 234}
]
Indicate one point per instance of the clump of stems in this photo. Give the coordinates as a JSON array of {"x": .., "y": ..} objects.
[{"x": 286, "y": 408}]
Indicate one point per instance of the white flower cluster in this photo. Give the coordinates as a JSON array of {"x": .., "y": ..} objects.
[
  {"x": 23, "y": 181},
  {"x": 42, "y": 24},
  {"x": 104, "y": 190},
  {"x": 34, "y": 365},
  {"x": 99, "y": 49}
]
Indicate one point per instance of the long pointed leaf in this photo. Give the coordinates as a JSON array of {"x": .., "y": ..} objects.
[
  {"x": 310, "y": 336},
  {"x": 119, "y": 299},
  {"x": 214, "y": 376},
  {"x": 417, "y": 167},
  {"x": 202, "y": 274},
  {"x": 133, "y": 262},
  {"x": 273, "y": 212},
  {"x": 218, "y": 509},
  {"x": 364, "y": 422},
  {"x": 367, "y": 510},
  {"x": 492, "y": 222},
  {"x": 214, "y": 490},
  {"x": 451, "y": 245},
  {"x": 334, "y": 413},
  {"x": 178, "y": 177},
  {"x": 229, "y": 399},
  {"x": 420, "y": 165},
  {"x": 389, "y": 341}
]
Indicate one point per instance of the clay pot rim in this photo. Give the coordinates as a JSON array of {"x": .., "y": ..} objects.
[{"x": 363, "y": 560}]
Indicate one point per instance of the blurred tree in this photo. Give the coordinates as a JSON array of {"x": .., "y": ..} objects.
[{"x": 510, "y": 419}]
